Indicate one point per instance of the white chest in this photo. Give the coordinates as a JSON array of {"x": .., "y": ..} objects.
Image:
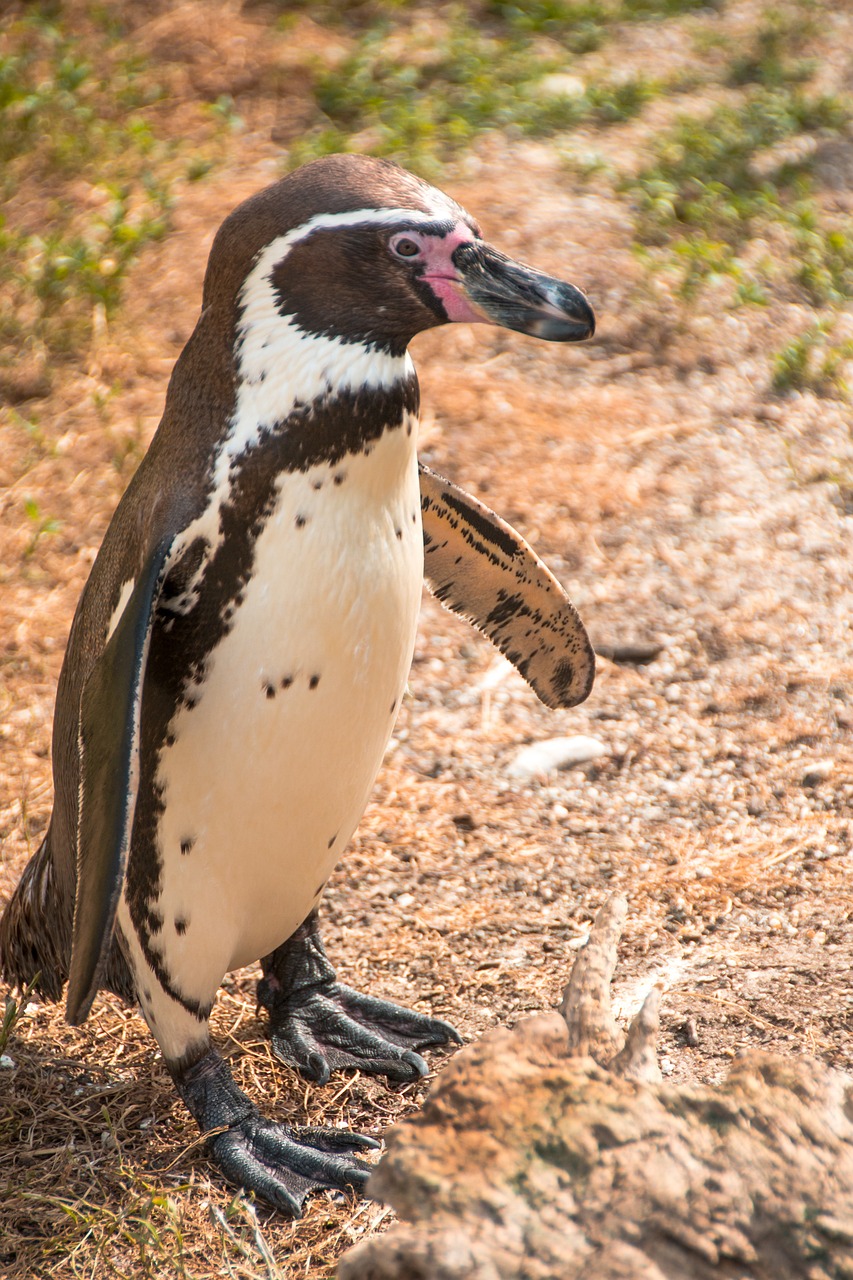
[{"x": 269, "y": 772}]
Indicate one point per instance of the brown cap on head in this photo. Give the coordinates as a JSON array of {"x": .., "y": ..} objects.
[{"x": 332, "y": 184}]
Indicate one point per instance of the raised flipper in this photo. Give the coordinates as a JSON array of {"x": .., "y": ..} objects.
[
  {"x": 478, "y": 566},
  {"x": 109, "y": 769}
]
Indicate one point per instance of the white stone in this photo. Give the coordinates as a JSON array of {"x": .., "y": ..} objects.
[{"x": 554, "y": 754}]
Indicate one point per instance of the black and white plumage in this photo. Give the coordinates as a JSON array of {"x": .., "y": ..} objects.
[{"x": 240, "y": 650}]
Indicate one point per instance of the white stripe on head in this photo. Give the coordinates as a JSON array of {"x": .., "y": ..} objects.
[{"x": 280, "y": 365}]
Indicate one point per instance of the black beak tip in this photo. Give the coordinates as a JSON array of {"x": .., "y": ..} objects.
[{"x": 575, "y": 325}]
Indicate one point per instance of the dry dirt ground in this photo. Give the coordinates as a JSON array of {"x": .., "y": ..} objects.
[{"x": 681, "y": 502}]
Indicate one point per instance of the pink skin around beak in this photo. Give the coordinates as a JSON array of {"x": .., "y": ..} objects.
[
  {"x": 477, "y": 284},
  {"x": 441, "y": 274},
  {"x": 443, "y": 277}
]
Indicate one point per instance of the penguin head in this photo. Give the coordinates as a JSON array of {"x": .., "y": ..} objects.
[{"x": 360, "y": 251}]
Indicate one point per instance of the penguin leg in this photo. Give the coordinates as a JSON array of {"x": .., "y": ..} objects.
[
  {"x": 318, "y": 1025},
  {"x": 280, "y": 1163}
]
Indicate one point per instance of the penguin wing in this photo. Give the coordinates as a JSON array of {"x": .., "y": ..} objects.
[
  {"x": 108, "y": 734},
  {"x": 478, "y": 566}
]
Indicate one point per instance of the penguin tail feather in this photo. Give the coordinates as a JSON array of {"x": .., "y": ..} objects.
[{"x": 35, "y": 931}]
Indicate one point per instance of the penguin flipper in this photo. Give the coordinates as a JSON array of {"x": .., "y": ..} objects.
[
  {"x": 479, "y": 567},
  {"x": 108, "y": 730}
]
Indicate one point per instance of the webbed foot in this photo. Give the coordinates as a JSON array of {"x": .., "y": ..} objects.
[
  {"x": 319, "y": 1025},
  {"x": 280, "y": 1163}
]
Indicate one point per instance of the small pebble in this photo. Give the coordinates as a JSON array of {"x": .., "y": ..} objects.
[
  {"x": 7, "y": 1063},
  {"x": 816, "y": 773},
  {"x": 553, "y": 754}
]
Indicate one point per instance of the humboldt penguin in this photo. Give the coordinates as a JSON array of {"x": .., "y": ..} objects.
[{"x": 238, "y": 655}]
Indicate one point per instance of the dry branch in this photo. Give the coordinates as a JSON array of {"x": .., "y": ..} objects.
[{"x": 534, "y": 1161}]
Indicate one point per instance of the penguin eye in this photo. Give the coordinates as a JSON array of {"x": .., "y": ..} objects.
[{"x": 406, "y": 247}]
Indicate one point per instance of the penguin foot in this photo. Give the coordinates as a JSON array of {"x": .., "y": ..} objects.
[
  {"x": 318, "y": 1025},
  {"x": 280, "y": 1163},
  {"x": 335, "y": 1028}
]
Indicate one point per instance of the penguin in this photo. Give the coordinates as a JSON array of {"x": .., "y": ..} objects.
[{"x": 238, "y": 655}]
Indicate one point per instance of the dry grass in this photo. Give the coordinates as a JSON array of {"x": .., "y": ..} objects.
[{"x": 678, "y": 498}]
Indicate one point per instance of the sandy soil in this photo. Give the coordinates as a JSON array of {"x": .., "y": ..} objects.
[{"x": 681, "y": 503}]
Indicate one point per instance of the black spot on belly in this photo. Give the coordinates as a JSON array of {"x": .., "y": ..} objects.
[
  {"x": 400, "y": 534},
  {"x": 187, "y": 844},
  {"x": 170, "y": 739},
  {"x": 318, "y": 484},
  {"x": 269, "y": 690},
  {"x": 146, "y": 995},
  {"x": 324, "y": 433},
  {"x": 301, "y": 522},
  {"x": 180, "y": 926},
  {"x": 331, "y": 842},
  {"x": 320, "y": 887},
  {"x": 313, "y": 682},
  {"x": 408, "y": 428},
  {"x": 287, "y": 682},
  {"x": 393, "y": 706}
]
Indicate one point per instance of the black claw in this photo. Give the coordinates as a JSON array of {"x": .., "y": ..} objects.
[
  {"x": 316, "y": 1068},
  {"x": 338, "y": 1139},
  {"x": 417, "y": 1063}
]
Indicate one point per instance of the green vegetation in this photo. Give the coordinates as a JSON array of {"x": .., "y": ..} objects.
[
  {"x": 12, "y": 1013},
  {"x": 773, "y": 59},
  {"x": 708, "y": 173},
  {"x": 54, "y": 109},
  {"x": 91, "y": 180},
  {"x": 717, "y": 182},
  {"x": 423, "y": 98},
  {"x": 824, "y": 257},
  {"x": 40, "y": 524},
  {"x": 812, "y": 362}
]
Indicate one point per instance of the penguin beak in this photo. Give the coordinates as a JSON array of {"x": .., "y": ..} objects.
[{"x": 511, "y": 294}]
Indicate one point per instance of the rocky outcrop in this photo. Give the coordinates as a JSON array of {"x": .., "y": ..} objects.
[{"x": 553, "y": 1151}]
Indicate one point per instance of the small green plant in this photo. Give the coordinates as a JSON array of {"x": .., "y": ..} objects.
[
  {"x": 13, "y": 1011},
  {"x": 824, "y": 256},
  {"x": 41, "y": 525},
  {"x": 810, "y": 362},
  {"x": 224, "y": 109},
  {"x": 772, "y": 59}
]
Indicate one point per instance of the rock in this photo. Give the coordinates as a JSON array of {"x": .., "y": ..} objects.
[
  {"x": 561, "y": 84},
  {"x": 553, "y": 1152},
  {"x": 816, "y": 773},
  {"x": 553, "y": 754}
]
